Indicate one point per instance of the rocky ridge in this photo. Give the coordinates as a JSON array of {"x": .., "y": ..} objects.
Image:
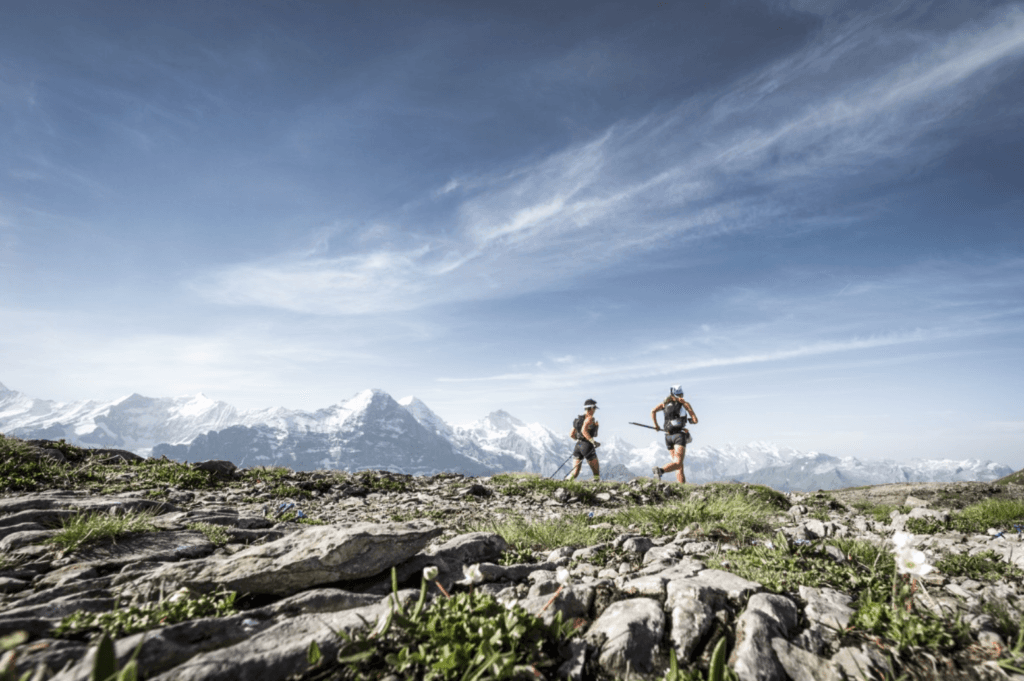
[{"x": 637, "y": 594}]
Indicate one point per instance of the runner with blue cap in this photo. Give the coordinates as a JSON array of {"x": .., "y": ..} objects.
[{"x": 676, "y": 434}]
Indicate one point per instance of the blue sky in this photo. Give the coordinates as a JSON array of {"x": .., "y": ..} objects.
[{"x": 810, "y": 214}]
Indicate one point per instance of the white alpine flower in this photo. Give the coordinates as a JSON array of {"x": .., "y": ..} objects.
[
  {"x": 902, "y": 540},
  {"x": 913, "y": 562},
  {"x": 178, "y": 595},
  {"x": 430, "y": 573},
  {"x": 562, "y": 576},
  {"x": 508, "y": 601},
  {"x": 472, "y": 574}
]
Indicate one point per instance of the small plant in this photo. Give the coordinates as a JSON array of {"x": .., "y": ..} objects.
[
  {"x": 290, "y": 491},
  {"x": 465, "y": 636},
  {"x": 263, "y": 474},
  {"x": 104, "y": 666},
  {"x": 1010, "y": 663},
  {"x": 730, "y": 510},
  {"x": 298, "y": 517},
  {"x": 518, "y": 557},
  {"x": 783, "y": 568},
  {"x": 987, "y": 566},
  {"x": 167, "y": 473},
  {"x": 9, "y": 656},
  {"x": 878, "y": 512},
  {"x": 180, "y": 607},
  {"x": 216, "y": 534},
  {"x": 906, "y": 628},
  {"x": 1001, "y": 514},
  {"x": 87, "y": 528},
  {"x": 567, "y": 530},
  {"x": 22, "y": 471},
  {"x": 925, "y": 526},
  {"x": 891, "y": 615},
  {"x": 383, "y": 482}
]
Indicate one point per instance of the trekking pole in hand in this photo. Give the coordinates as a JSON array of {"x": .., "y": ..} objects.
[
  {"x": 634, "y": 423},
  {"x": 560, "y": 467}
]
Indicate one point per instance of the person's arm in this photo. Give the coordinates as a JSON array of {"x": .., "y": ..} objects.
[
  {"x": 654, "y": 414},
  {"x": 689, "y": 409},
  {"x": 586, "y": 429}
]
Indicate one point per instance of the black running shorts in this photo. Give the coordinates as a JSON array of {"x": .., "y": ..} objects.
[
  {"x": 673, "y": 439},
  {"x": 584, "y": 450}
]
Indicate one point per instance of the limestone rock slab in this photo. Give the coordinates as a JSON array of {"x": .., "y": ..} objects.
[
  {"x": 768, "y": 616},
  {"x": 309, "y": 557},
  {"x": 628, "y": 637}
]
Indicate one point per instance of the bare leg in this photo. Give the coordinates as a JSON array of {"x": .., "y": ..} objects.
[
  {"x": 595, "y": 466},
  {"x": 678, "y": 452},
  {"x": 576, "y": 469}
]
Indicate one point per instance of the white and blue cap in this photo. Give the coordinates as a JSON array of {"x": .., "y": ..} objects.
[{"x": 677, "y": 390}]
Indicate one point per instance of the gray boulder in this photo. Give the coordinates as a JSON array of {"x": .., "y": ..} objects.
[
  {"x": 307, "y": 558},
  {"x": 768, "y": 616},
  {"x": 628, "y": 637}
]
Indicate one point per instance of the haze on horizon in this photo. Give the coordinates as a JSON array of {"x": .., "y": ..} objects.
[{"x": 808, "y": 213}]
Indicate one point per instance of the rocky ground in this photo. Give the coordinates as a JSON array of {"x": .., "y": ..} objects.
[{"x": 803, "y": 587}]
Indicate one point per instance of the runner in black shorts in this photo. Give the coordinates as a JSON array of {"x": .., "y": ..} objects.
[
  {"x": 676, "y": 434},
  {"x": 586, "y": 445}
]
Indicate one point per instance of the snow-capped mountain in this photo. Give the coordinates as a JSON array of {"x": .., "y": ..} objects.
[
  {"x": 814, "y": 471},
  {"x": 504, "y": 443},
  {"x": 369, "y": 431},
  {"x": 373, "y": 431},
  {"x": 135, "y": 423}
]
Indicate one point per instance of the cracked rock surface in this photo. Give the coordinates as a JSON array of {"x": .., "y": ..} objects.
[{"x": 636, "y": 598}]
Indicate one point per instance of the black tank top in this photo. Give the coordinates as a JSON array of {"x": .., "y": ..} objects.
[
  {"x": 675, "y": 417},
  {"x": 593, "y": 430}
]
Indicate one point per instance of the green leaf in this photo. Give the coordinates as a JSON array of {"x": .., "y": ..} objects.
[
  {"x": 716, "y": 671},
  {"x": 13, "y": 640},
  {"x": 105, "y": 665},
  {"x": 313, "y": 653},
  {"x": 130, "y": 672}
]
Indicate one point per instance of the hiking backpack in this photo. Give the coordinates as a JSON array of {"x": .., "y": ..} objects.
[{"x": 577, "y": 426}]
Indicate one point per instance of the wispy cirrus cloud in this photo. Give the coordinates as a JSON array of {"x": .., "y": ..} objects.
[
  {"x": 922, "y": 306},
  {"x": 859, "y": 103}
]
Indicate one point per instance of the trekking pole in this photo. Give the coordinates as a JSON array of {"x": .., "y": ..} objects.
[
  {"x": 560, "y": 467},
  {"x": 634, "y": 423}
]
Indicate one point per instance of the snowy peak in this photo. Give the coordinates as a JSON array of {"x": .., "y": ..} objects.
[
  {"x": 372, "y": 430},
  {"x": 500, "y": 420},
  {"x": 422, "y": 413}
]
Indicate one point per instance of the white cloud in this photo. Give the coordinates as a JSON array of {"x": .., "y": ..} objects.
[{"x": 772, "y": 147}]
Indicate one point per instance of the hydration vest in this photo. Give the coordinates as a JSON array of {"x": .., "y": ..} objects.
[
  {"x": 675, "y": 417},
  {"x": 577, "y": 425}
]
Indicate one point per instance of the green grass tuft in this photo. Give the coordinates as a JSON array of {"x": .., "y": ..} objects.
[
  {"x": 216, "y": 534},
  {"x": 785, "y": 568},
  {"x": 568, "y": 530},
  {"x": 88, "y": 528},
  {"x": 987, "y": 566},
  {"x": 878, "y": 512},
  {"x": 465, "y": 636},
  {"x": 133, "y": 619}
]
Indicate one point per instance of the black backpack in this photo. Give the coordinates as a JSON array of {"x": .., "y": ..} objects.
[
  {"x": 577, "y": 425},
  {"x": 675, "y": 417}
]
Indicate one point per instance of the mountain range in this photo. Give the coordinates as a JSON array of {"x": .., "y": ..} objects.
[{"x": 374, "y": 431}]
